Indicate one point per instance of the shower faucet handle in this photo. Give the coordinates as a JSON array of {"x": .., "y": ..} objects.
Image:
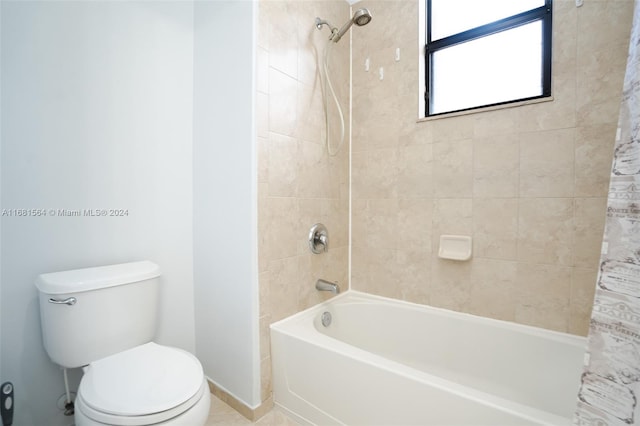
[{"x": 318, "y": 238}]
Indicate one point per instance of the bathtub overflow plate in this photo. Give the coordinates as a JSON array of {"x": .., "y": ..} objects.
[{"x": 326, "y": 319}]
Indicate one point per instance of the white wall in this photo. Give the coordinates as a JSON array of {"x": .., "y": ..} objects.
[
  {"x": 225, "y": 198},
  {"x": 96, "y": 104}
]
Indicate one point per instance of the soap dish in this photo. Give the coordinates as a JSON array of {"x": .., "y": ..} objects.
[{"x": 455, "y": 247}]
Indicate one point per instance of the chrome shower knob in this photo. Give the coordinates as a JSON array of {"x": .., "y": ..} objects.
[{"x": 318, "y": 238}]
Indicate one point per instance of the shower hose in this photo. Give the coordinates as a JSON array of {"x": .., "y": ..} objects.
[{"x": 328, "y": 85}]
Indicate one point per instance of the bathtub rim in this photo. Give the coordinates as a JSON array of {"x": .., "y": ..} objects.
[{"x": 355, "y": 296}]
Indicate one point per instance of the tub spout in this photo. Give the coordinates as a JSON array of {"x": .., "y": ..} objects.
[{"x": 323, "y": 285}]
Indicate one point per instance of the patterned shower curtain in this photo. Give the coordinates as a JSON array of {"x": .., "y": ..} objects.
[{"x": 610, "y": 386}]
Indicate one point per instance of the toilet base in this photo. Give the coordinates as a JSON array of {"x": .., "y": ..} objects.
[{"x": 195, "y": 416}]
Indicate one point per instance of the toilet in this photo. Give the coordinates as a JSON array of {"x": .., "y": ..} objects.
[{"x": 104, "y": 319}]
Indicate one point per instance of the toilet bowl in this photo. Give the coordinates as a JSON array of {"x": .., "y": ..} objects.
[{"x": 103, "y": 320}]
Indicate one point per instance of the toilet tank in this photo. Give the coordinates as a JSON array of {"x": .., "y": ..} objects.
[{"x": 91, "y": 313}]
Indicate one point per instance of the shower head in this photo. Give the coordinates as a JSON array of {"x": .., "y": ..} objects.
[{"x": 361, "y": 17}]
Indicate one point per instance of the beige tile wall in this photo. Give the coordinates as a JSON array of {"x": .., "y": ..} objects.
[
  {"x": 299, "y": 184},
  {"x": 528, "y": 183}
]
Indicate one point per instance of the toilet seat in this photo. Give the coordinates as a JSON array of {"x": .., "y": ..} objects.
[
  {"x": 143, "y": 385},
  {"x": 99, "y": 417}
]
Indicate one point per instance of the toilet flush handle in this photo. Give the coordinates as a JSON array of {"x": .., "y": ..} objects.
[{"x": 68, "y": 301}]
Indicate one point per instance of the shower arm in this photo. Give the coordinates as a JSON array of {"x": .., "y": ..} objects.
[{"x": 334, "y": 30}]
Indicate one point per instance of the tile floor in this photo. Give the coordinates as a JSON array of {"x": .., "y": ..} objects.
[{"x": 223, "y": 415}]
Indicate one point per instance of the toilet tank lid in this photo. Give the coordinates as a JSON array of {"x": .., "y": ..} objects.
[{"x": 86, "y": 279}]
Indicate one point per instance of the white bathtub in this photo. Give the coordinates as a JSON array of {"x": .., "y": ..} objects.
[{"x": 387, "y": 362}]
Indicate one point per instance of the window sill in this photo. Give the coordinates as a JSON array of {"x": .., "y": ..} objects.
[{"x": 485, "y": 109}]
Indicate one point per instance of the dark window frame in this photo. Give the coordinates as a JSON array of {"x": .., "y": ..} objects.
[{"x": 543, "y": 13}]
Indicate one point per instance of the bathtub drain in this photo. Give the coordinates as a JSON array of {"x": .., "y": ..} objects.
[{"x": 326, "y": 319}]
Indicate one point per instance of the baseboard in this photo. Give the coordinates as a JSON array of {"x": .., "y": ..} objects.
[{"x": 252, "y": 414}]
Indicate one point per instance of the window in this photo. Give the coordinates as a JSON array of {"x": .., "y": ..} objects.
[{"x": 482, "y": 53}]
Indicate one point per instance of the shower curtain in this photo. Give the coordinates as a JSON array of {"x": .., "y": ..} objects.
[{"x": 610, "y": 386}]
